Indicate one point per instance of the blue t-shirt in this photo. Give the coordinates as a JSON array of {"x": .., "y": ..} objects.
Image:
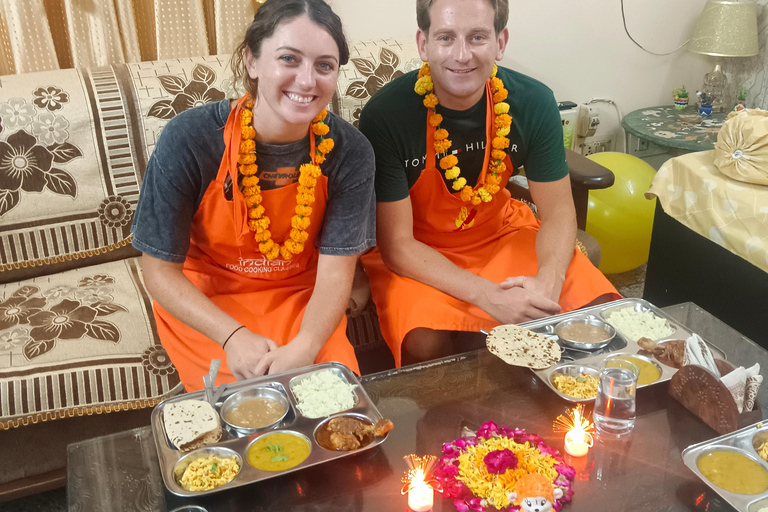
[{"x": 187, "y": 158}]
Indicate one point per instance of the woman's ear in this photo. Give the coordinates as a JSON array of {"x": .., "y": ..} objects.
[{"x": 250, "y": 64}]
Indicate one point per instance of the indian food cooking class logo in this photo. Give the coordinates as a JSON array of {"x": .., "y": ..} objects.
[{"x": 261, "y": 265}]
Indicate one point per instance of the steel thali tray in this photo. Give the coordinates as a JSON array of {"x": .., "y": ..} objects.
[
  {"x": 573, "y": 361},
  {"x": 232, "y": 443},
  {"x": 745, "y": 441}
]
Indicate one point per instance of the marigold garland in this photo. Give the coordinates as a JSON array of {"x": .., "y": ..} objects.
[
  {"x": 258, "y": 222},
  {"x": 502, "y": 122}
]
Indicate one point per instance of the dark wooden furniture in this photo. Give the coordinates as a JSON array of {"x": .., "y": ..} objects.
[
  {"x": 585, "y": 175},
  {"x": 684, "y": 266}
]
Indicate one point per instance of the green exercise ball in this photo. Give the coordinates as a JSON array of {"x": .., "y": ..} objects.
[{"x": 620, "y": 217}]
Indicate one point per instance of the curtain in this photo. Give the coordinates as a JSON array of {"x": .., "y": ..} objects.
[{"x": 38, "y": 35}]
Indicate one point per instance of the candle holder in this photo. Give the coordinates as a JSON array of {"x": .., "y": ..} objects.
[
  {"x": 419, "y": 483},
  {"x": 578, "y": 431}
]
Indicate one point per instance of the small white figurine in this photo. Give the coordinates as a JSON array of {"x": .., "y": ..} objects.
[{"x": 535, "y": 493}]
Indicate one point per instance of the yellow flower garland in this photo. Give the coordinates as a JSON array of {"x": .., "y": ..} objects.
[
  {"x": 305, "y": 195},
  {"x": 502, "y": 122}
]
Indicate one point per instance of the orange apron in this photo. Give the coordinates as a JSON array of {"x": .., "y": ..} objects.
[
  {"x": 501, "y": 243},
  {"x": 223, "y": 261}
]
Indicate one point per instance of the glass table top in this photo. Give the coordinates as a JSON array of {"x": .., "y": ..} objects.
[{"x": 429, "y": 404}]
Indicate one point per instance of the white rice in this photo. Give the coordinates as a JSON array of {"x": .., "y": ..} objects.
[
  {"x": 639, "y": 324},
  {"x": 323, "y": 393}
]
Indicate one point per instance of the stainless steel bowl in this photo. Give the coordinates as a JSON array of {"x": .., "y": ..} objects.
[
  {"x": 202, "y": 453},
  {"x": 574, "y": 370},
  {"x": 588, "y": 320},
  {"x": 258, "y": 392}
]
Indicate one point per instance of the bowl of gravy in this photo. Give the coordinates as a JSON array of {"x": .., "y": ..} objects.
[
  {"x": 254, "y": 410},
  {"x": 585, "y": 333}
]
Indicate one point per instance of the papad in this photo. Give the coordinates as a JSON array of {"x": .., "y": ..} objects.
[{"x": 519, "y": 346}]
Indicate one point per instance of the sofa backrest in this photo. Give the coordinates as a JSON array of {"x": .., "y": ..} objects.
[{"x": 74, "y": 145}]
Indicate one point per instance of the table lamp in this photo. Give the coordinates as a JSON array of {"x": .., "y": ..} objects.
[{"x": 726, "y": 28}]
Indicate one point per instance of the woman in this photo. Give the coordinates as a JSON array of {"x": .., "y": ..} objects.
[{"x": 259, "y": 274}]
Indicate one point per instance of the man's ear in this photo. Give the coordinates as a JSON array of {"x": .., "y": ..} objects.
[
  {"x": 421, "y": 44},
  {"x": 502, "y": 39}
]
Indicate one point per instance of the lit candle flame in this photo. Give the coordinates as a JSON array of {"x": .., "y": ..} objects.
[
  {"x": 576, "y": 426},
  {"x": 420, "y": 473}
]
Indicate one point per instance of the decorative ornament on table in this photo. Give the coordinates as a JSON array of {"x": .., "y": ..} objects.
[
  {"x": 536, "y": 494},
  {"x": 681, "y": 98},
  {"x": 741, "y": 98},
  {"x": 419, "y": 483},
  {"x": 482, "y": 471},
  {"x": 578, "y": 431},
  {"x": 502, "y": 122},
  {"x": 705, "y": 100}
]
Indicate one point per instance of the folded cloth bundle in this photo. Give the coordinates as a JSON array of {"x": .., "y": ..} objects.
[{"x": 742, "y": 383}]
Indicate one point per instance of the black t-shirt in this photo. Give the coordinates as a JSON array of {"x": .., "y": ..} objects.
[
  {"x": 395, "y": 121},
  {"x": 187, "y": 158}
]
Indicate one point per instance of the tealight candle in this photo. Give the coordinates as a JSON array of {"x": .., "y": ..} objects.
[
  {"x": 576, "y": 443},
  {"x": 420, "y": 497}
]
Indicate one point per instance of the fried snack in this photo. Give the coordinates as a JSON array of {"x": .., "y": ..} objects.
[
  {"x": 763, "y": 451},
  {"x": 209, "y": 473},
  {"x": 519, "y": 346},
  {"x": 583, "y": 386}
]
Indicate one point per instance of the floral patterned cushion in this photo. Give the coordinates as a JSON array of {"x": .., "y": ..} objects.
[
  {"x": 371, "y": 65},
  {"x": 74, "y": 145},
  {"x": 79, "y": 342}
]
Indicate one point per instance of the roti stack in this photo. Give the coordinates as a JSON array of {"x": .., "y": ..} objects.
[
  {"x": 519, "y": 346},
  {"x": 191, "y": 424}
]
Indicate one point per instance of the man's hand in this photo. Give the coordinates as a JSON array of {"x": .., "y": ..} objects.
[
  {"x": 296, "y": 354},
  {"x": 545, "y": 287},
  {"x": 511, "y": 303},
  {"x": 245, "y": 351}
]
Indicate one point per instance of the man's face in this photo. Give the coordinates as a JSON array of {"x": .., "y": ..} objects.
[{"x": 461, "y": 49}]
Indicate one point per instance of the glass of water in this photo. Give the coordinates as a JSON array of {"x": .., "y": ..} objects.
[{"x": 615, "y": 405}]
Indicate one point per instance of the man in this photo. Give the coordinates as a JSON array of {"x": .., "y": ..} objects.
[{"x": 455, "y": 253}]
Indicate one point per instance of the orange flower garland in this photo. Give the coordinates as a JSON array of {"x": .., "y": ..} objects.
[
  {"x": 502, "y": 122},
  {"x": 305, "y": 195}
]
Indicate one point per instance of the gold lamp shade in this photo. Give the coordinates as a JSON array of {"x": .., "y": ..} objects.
[{"x": 726, "y": 28}]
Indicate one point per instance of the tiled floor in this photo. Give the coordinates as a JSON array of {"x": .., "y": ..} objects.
[{"x": 629, "y": 284}]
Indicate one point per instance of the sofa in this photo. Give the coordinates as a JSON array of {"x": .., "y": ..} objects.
[{"x": 79, "y": 351}]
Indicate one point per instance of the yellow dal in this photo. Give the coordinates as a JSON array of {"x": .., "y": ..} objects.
[
  {"x": 296, "y": 448},
  {"x": 648, "y": 372},
  {"x": 733, "y": 472}
]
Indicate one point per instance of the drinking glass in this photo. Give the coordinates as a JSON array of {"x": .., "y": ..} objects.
[{"x": 615, "y": 405}]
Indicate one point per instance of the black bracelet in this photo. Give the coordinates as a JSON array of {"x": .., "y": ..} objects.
[{"x": 223, "y": 345}]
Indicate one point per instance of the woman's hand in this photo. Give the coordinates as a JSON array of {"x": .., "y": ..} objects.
[
  {"x": 246, "y": 352},
  {"x": 296, "y": 354}
]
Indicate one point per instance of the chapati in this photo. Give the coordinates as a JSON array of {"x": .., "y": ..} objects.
[
  {"x": 191, "y": 424},
  {"x": 519, "y": 346}
]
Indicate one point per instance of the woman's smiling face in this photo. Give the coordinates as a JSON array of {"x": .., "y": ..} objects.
[{"x": 297, "y": 69}]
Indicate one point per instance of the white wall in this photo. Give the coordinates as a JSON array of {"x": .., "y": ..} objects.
[{"x": 577, "y": 47}]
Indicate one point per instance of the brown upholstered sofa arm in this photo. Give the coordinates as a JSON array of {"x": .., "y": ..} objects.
[{"x": 586, "y": 173}]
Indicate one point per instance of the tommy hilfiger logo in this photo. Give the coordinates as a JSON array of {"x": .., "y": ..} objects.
[{"x": 473, "y": 146}]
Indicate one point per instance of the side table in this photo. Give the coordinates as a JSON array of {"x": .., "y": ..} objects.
[{"x": 678, "y": 131}]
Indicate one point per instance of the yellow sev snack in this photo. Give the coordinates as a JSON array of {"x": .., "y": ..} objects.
[
  {"x": 583, "y": 386},
  {"x": 496, "y": 487},
  {"x": 762, "y": 451},
  {"x": 209, "y": 472}
]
